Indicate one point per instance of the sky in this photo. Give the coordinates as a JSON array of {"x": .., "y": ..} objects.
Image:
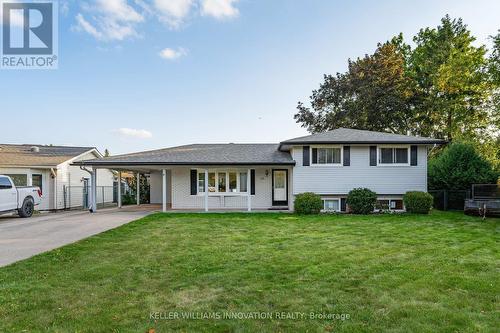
[{"x": 145, "y": 74}]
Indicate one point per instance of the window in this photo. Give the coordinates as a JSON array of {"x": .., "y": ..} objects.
[
  {"x": 389, "y": 204},
  {"x": 331, "y": 205},
  {"x": 233, "y": 182},
  {"x": 243, "y": 181},
  {"x": 201, "y": 182},
  {"x": 393, "y": 155},
  {"x": 5, "y": 183},
  {"x": 326, "y": 155},
  {"x": 19, "y": 180},
  {"x": 36, "y": 180},
  {"x": 223, "y": 181},
  {"x": 211, "y": 182}
]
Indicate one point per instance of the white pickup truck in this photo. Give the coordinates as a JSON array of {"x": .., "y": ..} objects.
[{"x": 23, "y": 199}]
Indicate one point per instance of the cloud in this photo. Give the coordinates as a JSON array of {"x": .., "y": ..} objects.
[
  {"x": 134, "y": 133},
  {"x": 173, "y": 12},
  {"x": 113, "y": 20},
  {"x": 171, "y": 54},
  {"x": 219, "y": 9}
]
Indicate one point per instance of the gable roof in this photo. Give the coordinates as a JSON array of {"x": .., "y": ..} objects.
[
  {"x": 355, "y": 136},
  {"x": 201, "y": 154},
  {"x": 47, "y": 156}
]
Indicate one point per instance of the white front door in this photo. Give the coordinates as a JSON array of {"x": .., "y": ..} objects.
[{"x": 280, "y": 187}]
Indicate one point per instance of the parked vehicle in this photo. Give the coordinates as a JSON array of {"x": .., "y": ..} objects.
[{"x": 23, "y": 199}]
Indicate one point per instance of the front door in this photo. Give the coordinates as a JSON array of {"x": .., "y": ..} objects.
[{"x": 280, "y": 187}]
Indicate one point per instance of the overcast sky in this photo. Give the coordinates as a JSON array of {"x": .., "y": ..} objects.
[{"x": 138, "y": 74}]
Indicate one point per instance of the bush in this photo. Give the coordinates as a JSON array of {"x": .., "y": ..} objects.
[
  {"x": 308, "y": 203},
  {"x": 459, "y": 166},
  {"x": 418, "y": 202},
  {"x": 361, "y": 200}
]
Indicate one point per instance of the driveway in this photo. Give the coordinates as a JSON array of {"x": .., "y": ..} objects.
[{"x": 24, "y": 238}]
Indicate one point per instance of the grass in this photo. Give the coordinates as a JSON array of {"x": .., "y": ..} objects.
[{"x": 396, "y": 273}]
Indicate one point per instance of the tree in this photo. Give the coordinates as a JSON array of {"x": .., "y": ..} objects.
[
  {"x": 459, "y": 166},
  {"x": 374, "y": 94},
  {"x": 442, "y": 88},
  {"x": 452, "y": 84}
]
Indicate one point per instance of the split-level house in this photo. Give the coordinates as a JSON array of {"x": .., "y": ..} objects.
[{"x": 269, "y": 176}]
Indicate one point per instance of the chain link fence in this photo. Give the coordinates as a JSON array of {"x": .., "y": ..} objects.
[
  {"x": 450, "y": 199},
  {"x": 78, "y": 197}
]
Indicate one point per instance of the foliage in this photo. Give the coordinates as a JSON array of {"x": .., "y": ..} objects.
[
  {"x": 459, "y": 166},
  {"x": 143, "y": 186},
  {"x": 418, "y": 202},
  {"x": 444, "y": 87},
  {"x": 361, "y": 200},
  {"x": 128, "y": 199},
  {"x": 308, "y": 203}
]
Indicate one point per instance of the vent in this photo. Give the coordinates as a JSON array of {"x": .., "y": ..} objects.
[{"x": 35, "y": 149}]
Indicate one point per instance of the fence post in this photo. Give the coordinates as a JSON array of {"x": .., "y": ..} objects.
[{"x": 445, "y": 200}]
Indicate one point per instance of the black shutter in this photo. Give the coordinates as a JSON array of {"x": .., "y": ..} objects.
[
  {"x": 342, "y": 205},
  {"x": 194, "y": 175},
  {"x": 373, "y": 155},
  {"x": 252, "y": 181},
  {"x": 347, "y": 155},
  {"x": 305, "y": 156},
  {"x": 413, "y": 155},
  {"x": 315, "y": 156}
]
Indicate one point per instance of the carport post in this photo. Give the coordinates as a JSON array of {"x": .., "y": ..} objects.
[
  {"x": 93, "y": 191},
  {"x": 249, "y": 192},
  {"x": 119, "y": 189},
  {"x": 206, "y": 190},
  {"x": 164, "y": 187},
  {"x": 138, "y": 189}
]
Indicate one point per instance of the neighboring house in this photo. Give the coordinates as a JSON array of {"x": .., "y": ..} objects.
[
  {"x": 49, "y": 167},
  {"x": 268, "y": 176}
]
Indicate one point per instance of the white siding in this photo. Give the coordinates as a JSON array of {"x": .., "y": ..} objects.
[
  {"x": 342, "y": 179},
  {"x": 47, "y": 183},
  {"x": 182, "y": 198},
  {"x": 156, "y": 187}
]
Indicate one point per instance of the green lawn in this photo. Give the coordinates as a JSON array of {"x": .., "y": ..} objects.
[{"x": 399, "y": 273}]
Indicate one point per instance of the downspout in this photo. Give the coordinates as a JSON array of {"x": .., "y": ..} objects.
[{"x": 54, "y": 174}]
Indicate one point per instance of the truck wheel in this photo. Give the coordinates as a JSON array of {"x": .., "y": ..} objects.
[{"x": 27, "y": 208}]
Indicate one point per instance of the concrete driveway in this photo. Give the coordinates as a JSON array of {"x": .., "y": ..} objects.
[{"x": 24, "y": 238}]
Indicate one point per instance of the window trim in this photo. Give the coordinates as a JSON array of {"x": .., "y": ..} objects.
[
  {"x": 393, "y": 146},
  {"x": 314, "y": 164},
  {"x": 324, "y": 210},
  {"x": 217, "y": 172}
]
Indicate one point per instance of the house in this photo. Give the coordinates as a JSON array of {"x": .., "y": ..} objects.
[
  {"x": 269, "y": 176},
  {"x": 63, "y": 185}
]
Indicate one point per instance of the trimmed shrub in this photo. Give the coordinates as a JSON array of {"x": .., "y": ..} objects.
[
  {"x": 361, "y": 200},
  {"x": 308, "y": 203},
  {"x": 418, "y": 202}
]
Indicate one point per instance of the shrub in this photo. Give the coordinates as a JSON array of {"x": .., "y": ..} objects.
[
  {"x": 308, "y": 203},
  {"x": 459, "y": 166},
  {"x": 361, "y": 200},
  {"x": 418, "y": 202}
]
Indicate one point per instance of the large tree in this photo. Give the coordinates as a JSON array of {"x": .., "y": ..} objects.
[
  {"x": 375, "y": 94},
  {"x": 441, "y": 88},
  {"x": 452, "y": 83}
]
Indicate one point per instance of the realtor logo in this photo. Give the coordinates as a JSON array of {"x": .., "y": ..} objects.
[{"x": 29, "y": 35}]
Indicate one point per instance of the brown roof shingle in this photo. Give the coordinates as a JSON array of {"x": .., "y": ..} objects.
[{"x": 46, "y": 156}]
